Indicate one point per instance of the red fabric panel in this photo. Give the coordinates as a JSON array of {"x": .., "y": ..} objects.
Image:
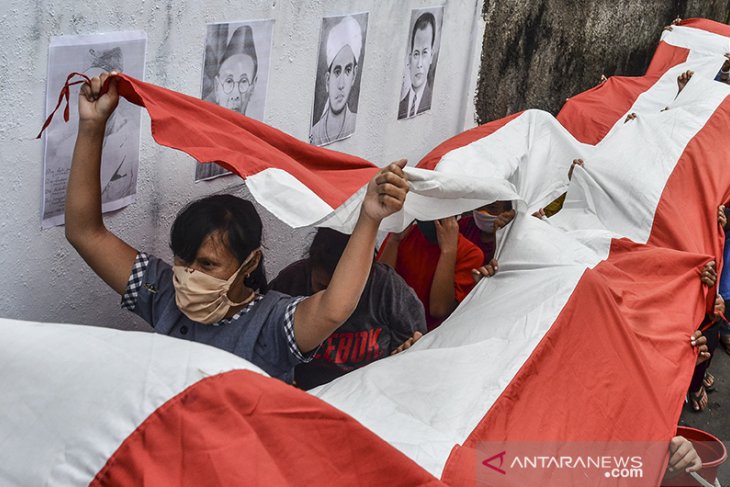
[
  {"x": 708, "y": 25},
  {"x": 241, "y": 428},
  {"x": 590, "y": 115},
  {"x": 431, "y": 159},
  {"x": 211, "y": 133},
  {"x": 616, "y": 363}
]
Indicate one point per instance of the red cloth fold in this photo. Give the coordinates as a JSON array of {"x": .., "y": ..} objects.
[{"x": 210, "y": 133}]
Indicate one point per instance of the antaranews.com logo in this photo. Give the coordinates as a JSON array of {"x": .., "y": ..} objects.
[
  {"x": 613, "y": 467},
  {"x": 570, "y": 464}
]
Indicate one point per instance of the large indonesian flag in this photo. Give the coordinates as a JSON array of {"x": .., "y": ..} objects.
[{"x": 582, "y": 336}]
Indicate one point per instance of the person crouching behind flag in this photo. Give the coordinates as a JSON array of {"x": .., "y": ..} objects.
[
  {"x": 213, "y": 292},
  {"x": 388, "y": 319},
  {"x": 437, "y": 262}
]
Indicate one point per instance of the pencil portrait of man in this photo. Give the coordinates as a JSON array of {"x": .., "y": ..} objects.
[
  {"x": 235, "y": 72},
  {"x": 421, "y": 59},
  {"x": 338, "y": 78}
]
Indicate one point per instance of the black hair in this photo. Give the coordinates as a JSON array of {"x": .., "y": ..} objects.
[
  {"x": 327, "y": 248},
  {"x": 503, "y": 205},
  {"x": 235, "y": 218},
  {"x": 422, "y": 22}
]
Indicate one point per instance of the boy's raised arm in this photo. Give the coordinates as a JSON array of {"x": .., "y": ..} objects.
[
  {"x": 321, "y": 314},
  {"x": 107, "y": 255}
]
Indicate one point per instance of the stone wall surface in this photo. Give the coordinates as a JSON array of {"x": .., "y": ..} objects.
[{"x": 536, "y": 53}]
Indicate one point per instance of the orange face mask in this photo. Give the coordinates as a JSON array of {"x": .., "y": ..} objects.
[{"x": 204, "y": 298}]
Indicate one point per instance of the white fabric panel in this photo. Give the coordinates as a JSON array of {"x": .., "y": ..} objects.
[
  {"x": 287, "y": 198},
  {"x": 699, "y": 41},
  {"x": 71, "y": 394},
  {"x": 527, "y": 159},
  {"x": 664, "y": 91},
  {"x": 705, "y": 59},
  {"x": 615, "y": 182},
  {"x": 533, "y": 151},
  {"x": 432, "y": 195}
]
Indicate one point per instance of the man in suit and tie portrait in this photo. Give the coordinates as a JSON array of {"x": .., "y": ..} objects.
[{"x": 420, "y": 59}]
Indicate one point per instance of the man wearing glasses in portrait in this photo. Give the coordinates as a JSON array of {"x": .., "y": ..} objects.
[
  {"x": 236, "y": 78},
  {"x": 233, "y": 78}
]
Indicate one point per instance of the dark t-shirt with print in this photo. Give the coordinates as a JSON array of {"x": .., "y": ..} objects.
[{"x": 389, "y": 312}]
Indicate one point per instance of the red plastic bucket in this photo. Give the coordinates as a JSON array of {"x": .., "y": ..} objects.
[{"x": 712, "y": 452}]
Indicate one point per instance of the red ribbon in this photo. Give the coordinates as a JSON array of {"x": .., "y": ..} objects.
[{"x": 65, "y": 92}]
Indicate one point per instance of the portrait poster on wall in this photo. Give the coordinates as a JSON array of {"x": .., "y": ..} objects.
[
  {"x": 424, "y": 41},
  {"x": 236, "y": 73},
  {"x": 91, "y": 55},
  {"x": 339, "y": 72}
]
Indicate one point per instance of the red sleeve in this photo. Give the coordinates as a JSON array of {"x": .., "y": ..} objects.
[
  {"x": 382, "y": 246},
  {"x": 468, "y": 257}
]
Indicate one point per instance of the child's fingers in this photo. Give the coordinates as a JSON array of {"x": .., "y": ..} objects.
[
  {"x": 392, "y": 178},
  {"x": 86, "y": 91},
  {"x": 388, "y": 189},
  {"x": 95, "y": 87},
  {"x": 395, "y": 168},
  {"x": 113, "y": 86},
  {"x": 401, "y": 163},
  {"x": 390, "y": 202},
  {"x": 680, "y": 451}
]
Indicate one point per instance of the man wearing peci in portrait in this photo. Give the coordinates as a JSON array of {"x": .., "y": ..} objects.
[
  {"x": 230, "y": 79},
  {"x": 235, "y": 79},
  {"x": 420, "y": 57},
  {"x": 344, "y": 44}
]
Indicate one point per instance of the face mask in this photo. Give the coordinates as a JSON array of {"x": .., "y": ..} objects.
[
  {"x": 204, "y": 298},
  {"x": 484, "y": 221},
  {"x": 428, "y": 229}
]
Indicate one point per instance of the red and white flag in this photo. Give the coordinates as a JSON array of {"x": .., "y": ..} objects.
[{"x": 582, "y": 336}]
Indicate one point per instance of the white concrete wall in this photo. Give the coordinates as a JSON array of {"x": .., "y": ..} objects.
[{"x": 42, "y": 278}]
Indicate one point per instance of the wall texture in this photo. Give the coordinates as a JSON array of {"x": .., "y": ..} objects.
[
  {"x": 42, "y": 278},
  {"x": 536, "y": 53}
]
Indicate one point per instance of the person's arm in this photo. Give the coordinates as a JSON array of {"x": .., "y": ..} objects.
[
  {"x": 725, "y": 70},
  {"x": 442, "y": 298},
  {"x": 718, "y": 310},
  {"x": 107, "y": 255},
  {"x": 321, "y": 314}
]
